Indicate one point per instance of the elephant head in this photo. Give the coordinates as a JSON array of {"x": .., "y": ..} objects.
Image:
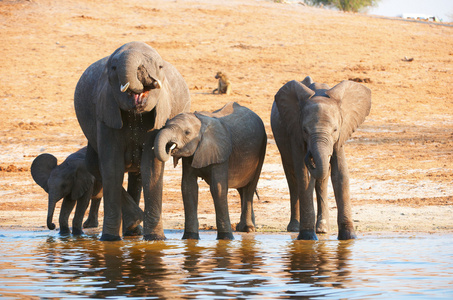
[
  {"x": 194, "y": 134},
  {"x": 133, "y": 79},
  {"x": 59, "y": 181},
  {"x": 322, "y": 119}
]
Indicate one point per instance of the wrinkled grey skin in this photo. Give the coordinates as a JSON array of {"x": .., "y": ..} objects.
[
  {"x": 71, "y": 182},
  {"x": 121, "y": 101},
  {"x": 311, "y": 124},
  {"x": 226, "y": 148}
]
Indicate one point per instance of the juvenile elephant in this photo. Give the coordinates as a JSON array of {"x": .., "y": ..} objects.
[
  {"x": 121, "y": 101},
  {"x": 311, "y": 123},
  {"x": 226, "y": 148},
  {"x": 71, "y": 181}
]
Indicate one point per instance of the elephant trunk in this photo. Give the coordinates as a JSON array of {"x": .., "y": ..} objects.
[
  {"x": 317, "y": 161},
  {"x": 163, "y": 145},
  {"x": 127, "y": 69},
  {"x": 50, "y": 211}
]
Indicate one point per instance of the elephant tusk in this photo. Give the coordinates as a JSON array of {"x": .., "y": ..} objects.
[
  {"x": 124, "y": 88},
  {"x": 172, "y": 147},
  {"x": 157, "y": 84}
]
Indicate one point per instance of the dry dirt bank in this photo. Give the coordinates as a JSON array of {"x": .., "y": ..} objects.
[{"x": 400, "y": 160}]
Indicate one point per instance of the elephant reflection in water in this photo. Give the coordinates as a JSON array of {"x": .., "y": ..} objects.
[
  {"x": 121, "y": 269},
  {"x": 241, "y": 262},
  {"x": 193, "y": 254},
  {"x": 319, "y": 263}
]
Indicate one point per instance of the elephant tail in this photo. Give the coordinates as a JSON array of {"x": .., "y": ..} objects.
[{"x": 256, "y": 193}]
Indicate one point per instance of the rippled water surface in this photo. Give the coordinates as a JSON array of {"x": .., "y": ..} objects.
[{"x": 265, "y": 266}]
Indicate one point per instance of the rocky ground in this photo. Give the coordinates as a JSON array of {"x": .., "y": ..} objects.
[{"x": 400, "y": 159}]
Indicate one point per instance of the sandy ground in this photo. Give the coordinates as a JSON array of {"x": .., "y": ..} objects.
[{"x": 400, "y": 160}]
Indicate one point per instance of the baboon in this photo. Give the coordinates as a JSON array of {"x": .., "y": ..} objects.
[{"x": 224, "y": 84}]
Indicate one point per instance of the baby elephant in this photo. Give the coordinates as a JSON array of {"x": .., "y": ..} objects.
[
  {"x": 71, "y": 181},
  {"x": 226, "y": 148}
]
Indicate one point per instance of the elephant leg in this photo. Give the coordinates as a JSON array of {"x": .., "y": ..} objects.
[
  {"x": 134, "y": 186},
  {"x": 284, "y": 146},
  {"x": 294, "y": 222},
  {"x": 82, "y": 205},
  {"x": 322, "y": 220},
  {"x": 92, "y": 220},
  {"x": 111, "y": 162},
  {"x": 247, "y": 221},
  {"x": 152, "y": 171},
  {"x": 189, "y": 189},
  {"x": 132, "y": 215},
  {"x": 219, "y": 192},
  {"x": 92, "y": 163},
  {"x": 306, "y": 206},
  {"x": 66, "y": 208},
  {"x": 93, "y": 216},
  {"x": 340, "y": 182},
  {"x": 134, "y": 189}
]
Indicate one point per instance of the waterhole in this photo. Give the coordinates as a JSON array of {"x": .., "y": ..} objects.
[{"x": 253, "y": 266}]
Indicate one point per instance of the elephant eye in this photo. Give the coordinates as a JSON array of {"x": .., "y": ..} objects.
[
  {"x": 114, "y": 68},
  {"x": 187, "y": 132},
  {"x": 305, "y": 130},
  {"x": 335, "y": 129}
]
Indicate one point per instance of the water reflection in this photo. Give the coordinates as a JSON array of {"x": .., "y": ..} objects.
[
  {"x": 112, "y": 269},
  {"x": 252, "y": 266},
  {"x": 315, "y": 266}
]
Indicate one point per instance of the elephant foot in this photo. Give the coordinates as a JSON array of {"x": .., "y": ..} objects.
[
  {"x": 191, "y": 236},
  {"x": 293, "y": 226},
  {"x": 109, "y": 237},
  {"x": 77, "y": 231},
  {"x": 65, "y": 231},
  {"x": 132, "y": 225},
  {"x": 322, "y": 226},
  {"x": 308, "y": 235},
  {"x": 243, "y": 227},
  {"x": 90, "y": 223},
  {"x": 138, "y": 230},
  {"x": 225, "y": 236},
  {"x": 346, "y": 233},
  {"x": 154, "y": 237}
]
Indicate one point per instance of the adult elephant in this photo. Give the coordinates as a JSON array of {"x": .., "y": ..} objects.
[
  {"x": 311, "y": 123},
  {"x": 121, "y": 102}
]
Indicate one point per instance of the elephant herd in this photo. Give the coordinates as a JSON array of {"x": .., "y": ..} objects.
[{"x": 133, "y": 108}]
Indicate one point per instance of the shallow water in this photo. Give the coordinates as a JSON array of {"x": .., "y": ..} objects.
[{"x": 264, "y": 266}]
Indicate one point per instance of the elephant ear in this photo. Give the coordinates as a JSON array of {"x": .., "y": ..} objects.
[
  {"x": 41, "y": 168},
  {"x": 107, "y": 108},
  {"x": 355, "y": 104},
  {"x": 163, "y": 105},
  {"x": 83, "y": 182},
  {"x": 307, "y": 81},
  {"x": 215, "y": 145},
  {"x": 290, "y": 99}
]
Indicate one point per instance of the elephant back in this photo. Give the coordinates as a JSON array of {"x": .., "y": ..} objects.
[
  {"x": 85, "y": 99},
  {"x": 241, "y": 120}
]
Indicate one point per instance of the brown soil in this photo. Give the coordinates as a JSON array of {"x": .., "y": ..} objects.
[{"x": 400, "y": 160}]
